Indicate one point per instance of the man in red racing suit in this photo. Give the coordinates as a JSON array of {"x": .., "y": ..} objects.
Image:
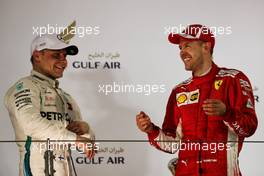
[{"x": 207, "y": 116}]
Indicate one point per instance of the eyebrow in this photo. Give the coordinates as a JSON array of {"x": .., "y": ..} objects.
[
  {"x": 57, "y": 51},
  {"x": 184, "y": 44}
]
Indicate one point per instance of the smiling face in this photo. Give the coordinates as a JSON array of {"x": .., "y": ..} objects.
[
  {"x": 50, "y": 63},
  {"x": 194, "y": 55}
]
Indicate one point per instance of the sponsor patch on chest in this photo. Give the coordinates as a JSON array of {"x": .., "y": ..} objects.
[
  {"x": 49, "y": 97},
  {"x": 185, "y": 98}
]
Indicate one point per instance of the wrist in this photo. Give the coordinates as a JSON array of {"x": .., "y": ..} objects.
[
  {"x": 152, "y": 128},
  {"x": 229, "y": 115}
]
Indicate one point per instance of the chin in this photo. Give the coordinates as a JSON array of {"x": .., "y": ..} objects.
[
  {"x": 58, "y": 76},
  {"x": 188, "y": 68}
]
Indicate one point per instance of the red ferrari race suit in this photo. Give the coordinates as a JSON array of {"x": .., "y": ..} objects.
[{"x": 208, "y": 145}]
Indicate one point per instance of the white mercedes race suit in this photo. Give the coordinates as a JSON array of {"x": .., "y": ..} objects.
[{"x": 39, "y": 110}]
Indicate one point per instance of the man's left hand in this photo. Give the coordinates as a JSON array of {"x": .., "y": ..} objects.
[
  {"x": 214, "y": 107},
  {"x": 78, "y": 127}
]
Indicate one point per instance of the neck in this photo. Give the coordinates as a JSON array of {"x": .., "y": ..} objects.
[
  {"x": 43, "y": 73},
  {"x": 204, "y": 69}
]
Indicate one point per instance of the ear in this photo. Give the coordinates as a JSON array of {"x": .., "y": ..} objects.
[
  {"x": 207, "y": 46},
  {"x": 36, "y": 55}
]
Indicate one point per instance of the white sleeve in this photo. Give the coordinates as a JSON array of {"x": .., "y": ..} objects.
[
  {"x": 168, "y": 143},
  {"x": 24, "y": 104}
]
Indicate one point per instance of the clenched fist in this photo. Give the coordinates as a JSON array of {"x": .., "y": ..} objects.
[
  {"x": 143, "y": 122},
  {"x": 78, "y": 127},
  {"x": 87, "y": 146}
]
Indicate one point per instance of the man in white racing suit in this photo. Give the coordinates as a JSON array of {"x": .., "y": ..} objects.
[{"x": 39, "y": 110}]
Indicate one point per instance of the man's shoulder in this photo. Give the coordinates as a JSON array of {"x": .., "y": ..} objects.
[
  {"x": 27, "y": 83},
  {"x": 23, "y": 85},
  {"x": 183, "y": 83},
  {"x": 229, "y": 72},
  {"x": 20, "y": 84}
]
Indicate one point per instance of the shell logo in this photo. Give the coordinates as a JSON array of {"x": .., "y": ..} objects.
[{"x": 182, "y": 98}]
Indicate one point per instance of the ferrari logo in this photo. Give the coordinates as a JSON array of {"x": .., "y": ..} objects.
[{"x": 217, "y": 84}]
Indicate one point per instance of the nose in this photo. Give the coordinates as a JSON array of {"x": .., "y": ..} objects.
[{"x": 182, "y": 52}]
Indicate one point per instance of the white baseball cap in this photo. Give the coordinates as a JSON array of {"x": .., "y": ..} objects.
[{"x": 52, "y": 42}]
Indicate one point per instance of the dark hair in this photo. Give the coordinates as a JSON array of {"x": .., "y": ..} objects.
[{"x": 32, "y": 60}]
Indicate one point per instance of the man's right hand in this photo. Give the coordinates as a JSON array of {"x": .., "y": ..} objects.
[
  {"x": 87, "y": 145},
  {"x": 144, "y": 123},
  {"x": 78, "y": 127}
]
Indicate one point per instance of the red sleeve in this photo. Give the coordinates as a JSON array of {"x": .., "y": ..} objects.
[
  {"x": 241, "y": 115},
  {"x": 172, "y": 115},
  {"x": 161, "y": 138}
]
